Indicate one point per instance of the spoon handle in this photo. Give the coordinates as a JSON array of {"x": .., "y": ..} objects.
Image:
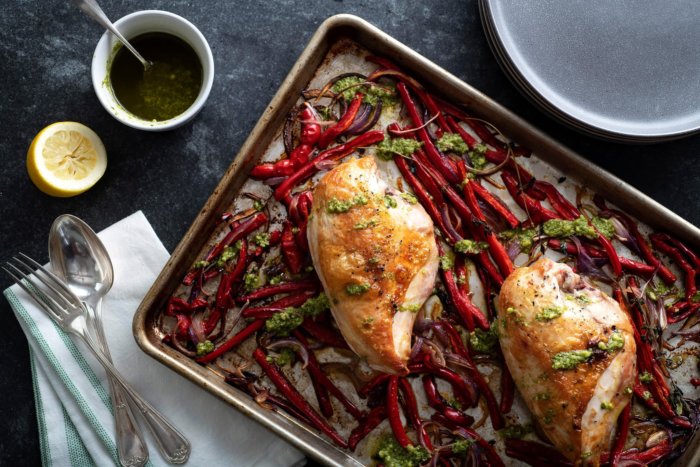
[
  {"x": 131, "y": 447},
  {"x": 92, "y": 9},
  {"x": 172, "y": 444}
]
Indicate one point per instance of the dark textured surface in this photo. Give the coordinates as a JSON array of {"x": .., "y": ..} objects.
[{"x": 45, "y": 52}]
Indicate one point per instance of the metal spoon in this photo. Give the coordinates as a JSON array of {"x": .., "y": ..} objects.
[
  {"x": 79, "y": 257},
  {"x": 95, "y": 12},
  {"x": 84, "y": 265}
]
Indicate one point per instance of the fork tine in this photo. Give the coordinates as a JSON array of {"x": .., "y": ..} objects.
[
  {"x": 55, "y": 279},
  {"x": 64, "y": 300},
  {"x": 48, "y": 309},
  {"x": 31, "y": 276}
]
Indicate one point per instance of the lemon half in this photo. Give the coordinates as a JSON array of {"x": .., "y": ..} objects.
[{"x": 66, "y": 159}]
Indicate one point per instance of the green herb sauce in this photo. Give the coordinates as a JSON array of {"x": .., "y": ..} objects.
[
  {"x": 390, "y": 147},
  {"x": 351, "y": 85},
  {"x": 472, "y": 247},
  {"x": 483, "y": 341},
  {"x": 357, "y": 289},
  {"x": 615, "y": 342},
  {"x": 571, "y": 359},
  {"x": 549, "y": 313},
  {"x": 166, "y": 89},
  {"x": 561, "y": 229},
  {"x": 391, "y": 454},
  {"x": 283, "y": 322},
  {"x": 336, "y": 206},
  {"x": 524, "y": 236},
  {"x": 452, "y": 142}
]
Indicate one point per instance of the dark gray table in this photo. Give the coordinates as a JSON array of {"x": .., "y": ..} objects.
[{"x": 45, "y": 52}]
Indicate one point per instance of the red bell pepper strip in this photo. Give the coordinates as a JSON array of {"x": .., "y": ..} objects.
[
  {"x": 507, "y": 389},
  {"x": 318, "y": 375},
  {"x": 333, "y": 154},
  {"x": 661, "y": 242},
  {"x": 282, "y": 168},
  {"x": 666, "y": 275},
  {"x": 411, "y": 407},
  {"x": 178, "y": 305},
  {"x": 635, "y": 267},
  {"x": 436, "y": 401},
  {"x": 469, "y": 313},
  {"x": 324, "y": 334},
  {"x": 623, "y": 423},
  {"x": 462, "y": 391},
  {"x": 287, "y": 390},
  {"x": 290, "y": 251},
  {"x": 224, "y": 293},
  {"x": 372, "y": 384},
  {"x": 496, "y": 204},
  {"x": 235, "y": 340},
  {"x": 367, "y": 424},
  {"x": 496, "y": 249},
  {"x": 343, "y": 124},
  {"x": 612, "y": 254},
  {"x": 286, "y": 287},
  {"x": 310, "y": 128},
  {"x": 560, "y": 204},
  {"x": 459, "y": 348},
  {"x": 424, "y": 198},
  {"x": 533, "y": 208},
  {"x": 266, "y": 311},
  {"x": 238, "y": 231},
  {"x": 393, "y": 410},
  {"x": 441, "y": 162}
]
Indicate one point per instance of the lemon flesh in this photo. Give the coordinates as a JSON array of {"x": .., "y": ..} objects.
[{"x": 66, "y": 159}]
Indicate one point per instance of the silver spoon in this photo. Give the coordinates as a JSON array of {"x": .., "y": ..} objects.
[
  {"x": 95, "y": 12},
  {"x": 84, "y": 265},
  {"x": 79, "y": 257}
]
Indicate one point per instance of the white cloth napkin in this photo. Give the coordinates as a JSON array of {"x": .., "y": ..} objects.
[{"x": 74, "y": 410}]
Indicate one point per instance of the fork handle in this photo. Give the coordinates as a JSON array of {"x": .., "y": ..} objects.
[
  {"x": 172, "y": 444},
  {"x": 131, "y": 447}
]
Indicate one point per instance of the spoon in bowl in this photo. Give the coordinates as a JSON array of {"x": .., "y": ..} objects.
[
  {"x": 92, "y": 9},
  {"x": 78, "y": 256}
]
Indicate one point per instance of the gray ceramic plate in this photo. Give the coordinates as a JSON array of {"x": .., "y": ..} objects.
[{"x": 626, "y": 70}]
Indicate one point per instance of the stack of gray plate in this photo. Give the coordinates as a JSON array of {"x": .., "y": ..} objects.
[{"x": 624, "y": 70}]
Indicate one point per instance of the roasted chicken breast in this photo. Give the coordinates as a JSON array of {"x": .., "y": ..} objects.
[
  {"x": 374, "y": 251},
  {"x": 572, "y": 354}
]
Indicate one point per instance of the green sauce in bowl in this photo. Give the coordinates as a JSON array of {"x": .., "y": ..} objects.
[{"x": 167, "y": 88}]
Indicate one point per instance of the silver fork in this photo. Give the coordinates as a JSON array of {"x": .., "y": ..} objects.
[{"x": 66, "y": 309}]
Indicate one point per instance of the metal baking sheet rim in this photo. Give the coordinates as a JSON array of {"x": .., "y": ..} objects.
[
  {"x": 531, "y": 93},
  {"x": 450, "y": 86}
]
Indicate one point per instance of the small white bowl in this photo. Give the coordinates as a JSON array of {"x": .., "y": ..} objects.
[{"x": 133, "y": 25}]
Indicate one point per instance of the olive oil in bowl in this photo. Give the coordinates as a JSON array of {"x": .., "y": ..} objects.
[{"x": 164, "y": 90}]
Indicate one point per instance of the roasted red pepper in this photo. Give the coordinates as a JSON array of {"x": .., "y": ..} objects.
[
  {"x": 441, "y": 162},
  {"x": 343, "y": 124},
  {"x": 290, "y": 251},
  {"x": 235, "y": 340},
  {"x": 287, "y": 390},
  {"x": 333, "y": 154},
  {"x": 394, "y": 412}
]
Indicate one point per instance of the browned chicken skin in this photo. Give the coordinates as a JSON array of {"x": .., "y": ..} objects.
[
  {"x": 571, "y": 351},
  {"x": 375, "y": 254}
]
